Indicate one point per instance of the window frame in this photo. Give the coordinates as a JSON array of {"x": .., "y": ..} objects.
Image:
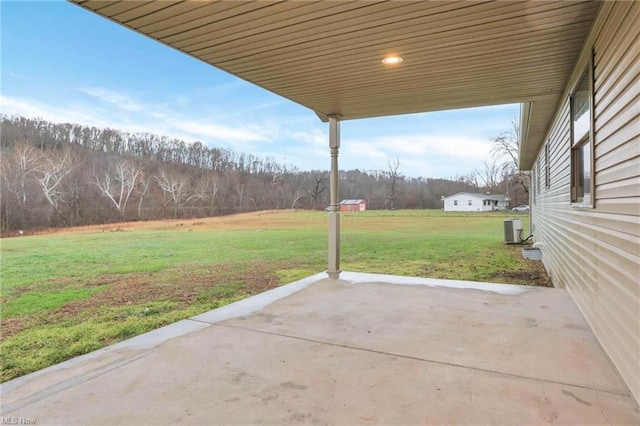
[
  {"x": 588, "y": 142},
  {"x": 547, "y": 166},
  {"x": 539, "y": 175}
]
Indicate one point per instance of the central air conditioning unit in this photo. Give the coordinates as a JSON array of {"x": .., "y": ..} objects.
[{"x": 512, "y": 231}]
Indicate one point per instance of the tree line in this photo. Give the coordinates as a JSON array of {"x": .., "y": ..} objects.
[{"x": 56, "y": 175}]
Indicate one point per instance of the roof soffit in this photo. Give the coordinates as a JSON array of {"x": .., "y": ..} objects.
[{"x": 327, "y": 55}]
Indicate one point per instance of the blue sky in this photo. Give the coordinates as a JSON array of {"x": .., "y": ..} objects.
[{"x": 64, "y": 64}]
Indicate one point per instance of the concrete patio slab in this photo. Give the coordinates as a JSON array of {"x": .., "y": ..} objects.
[{"x": 361, "y": 350}]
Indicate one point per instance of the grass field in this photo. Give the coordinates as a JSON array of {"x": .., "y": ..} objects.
[{"x": 70, "y": 292}]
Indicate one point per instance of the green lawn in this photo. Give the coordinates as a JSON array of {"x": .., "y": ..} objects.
[{"x": 68, "y": 293}]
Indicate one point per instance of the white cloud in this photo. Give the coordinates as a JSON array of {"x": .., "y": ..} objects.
[
  {"x": 134, "y": 116},
  {"x": 419, "y": 154},
  {"x": 18, "y": 76},
  {"x": 424, "y": 144},
  {"x": 298, "y": 141},
  {"x": 115, "y": 98},
  {"x": 210, "y": 130},
  {"x": 311, "y": 137},
  {"x": 28, "y": 108},
  {"x": 174, "y": 123},
  {"x": 373, "y": 151}
]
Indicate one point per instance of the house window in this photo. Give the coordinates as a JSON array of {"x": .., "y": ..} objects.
[
  {"x": 455, "y": 202},
  {"x": 582, "y": 141},
  {"x": 547, "y": 167},
  {"x": 470, "y": 202},
  {"x": 539, "y": 175}
]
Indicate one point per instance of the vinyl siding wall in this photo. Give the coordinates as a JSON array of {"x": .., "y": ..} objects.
[{"x": 595, "y": 253}]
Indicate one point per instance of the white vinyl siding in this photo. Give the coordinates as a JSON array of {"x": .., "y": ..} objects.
[{"x": 595, "y": 253}]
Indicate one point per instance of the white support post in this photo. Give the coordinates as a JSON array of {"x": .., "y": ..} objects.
[{"x": 333, "y": 270}]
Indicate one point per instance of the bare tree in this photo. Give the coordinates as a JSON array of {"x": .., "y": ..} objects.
[
  {"x": 213, "y": 191},
  {"x": 205, "y": 190},
  {"x": 118, "y": 182},
  {"x": 144, "y": 186},
  {"x": 506, "y": 148},
  {"x": 17, "y": 168},
  {"x": 394, "y": 178},
  {"x": 205, "y": 187},
  {"x": 276, "y": 182},
  {"x": 174, "y": 188},
  {"x": 297, "y": 196},
  {"x": 318, "y": 188},
  {"x": 51, "y": 173},
  {"x": 240, "y": 192},
  {"x": 490, "y": 177}
]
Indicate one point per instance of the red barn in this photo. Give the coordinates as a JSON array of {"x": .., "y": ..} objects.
[{"x": 353, "y": 205}]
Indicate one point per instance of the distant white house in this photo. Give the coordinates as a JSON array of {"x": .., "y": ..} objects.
[{"x": 472, "y": 202}]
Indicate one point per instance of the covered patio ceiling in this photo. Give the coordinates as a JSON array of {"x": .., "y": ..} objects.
[{"x": 327, "y": 55}]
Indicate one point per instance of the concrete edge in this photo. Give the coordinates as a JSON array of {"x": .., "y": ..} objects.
[
  {"x": 248, "y": 306},
  {"x": 142, "y": 341},
  {"x": 259, "y": 301},
  {"x": 155, "y": 337},
  {"x": 366, "y": 278}
]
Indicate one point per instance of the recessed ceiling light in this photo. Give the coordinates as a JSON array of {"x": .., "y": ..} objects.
[{"x": 392, "y": 60}]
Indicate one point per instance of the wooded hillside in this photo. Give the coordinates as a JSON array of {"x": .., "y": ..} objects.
[{"x": 69, "y": 174}]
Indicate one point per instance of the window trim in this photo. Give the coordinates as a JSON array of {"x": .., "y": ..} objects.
[
  {"x": 547, "y": 166},
  {"x": 590, "y": 140},
  {"x": 539, "y": 175}
]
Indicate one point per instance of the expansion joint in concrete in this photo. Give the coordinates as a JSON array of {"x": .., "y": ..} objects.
[{"x": 450, "y": 364}]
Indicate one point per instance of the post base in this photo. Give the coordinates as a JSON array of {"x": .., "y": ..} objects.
[
  {"x": 333, "y": 265},
  {"x": 333, "y": 275}
]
